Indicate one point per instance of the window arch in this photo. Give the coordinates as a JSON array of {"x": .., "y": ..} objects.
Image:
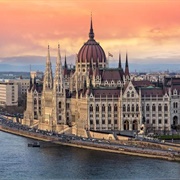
[
  {"x": 109, "y": 107},
  {"x": 132, "y": 94},
  {"x": 128, "y": 94},
  {"x": 153, "y": 107},
  {"x": 59, "y": 104},
  {"x": 137, "y": 107},
  {"x": 103, "y": 108},
  {"x": 159, "y": 107},
  {"x": 135, "y": 125},
  {"x": 175, "y": 105},
  {"x": 115, "y": 107},
  {"x": 124, "y": 107},
  {"x": 128, "y": 107},
  {"x": 165, "y": 107},
  {"x": 97, "y": 108},
  {"x": 126, "y": 125},
  {"x": 35, "y": 101},
  {"x": 132, "y": 108},
  {"x": 91, "y": 108},
  {"x": 147, "y": 107}
]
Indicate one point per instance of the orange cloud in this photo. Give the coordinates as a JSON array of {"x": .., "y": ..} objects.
[{"x": 141, "y": 27}]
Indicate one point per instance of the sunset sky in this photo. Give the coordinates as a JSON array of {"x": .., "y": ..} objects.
[{"x": 148, "y": 30}]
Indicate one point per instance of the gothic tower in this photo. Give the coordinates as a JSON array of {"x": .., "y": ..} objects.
[
  {"x": 47, "y": 94},
  {"x": 59, "y": 95}
]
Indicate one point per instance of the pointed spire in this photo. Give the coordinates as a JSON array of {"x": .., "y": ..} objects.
[
  {"x": 120, "y": 66},
  {"x": 59, "y": 54},
  {"x": 48, "y": 78},
  {"x": 91, "y": 33},
  {"x": 65, "y": 65},
  {"x": 48, "y": 55},
  {"x": 58, "y": 79},
  {"x": 126, "y": 66},
  {"x": 126, "y": 59}
]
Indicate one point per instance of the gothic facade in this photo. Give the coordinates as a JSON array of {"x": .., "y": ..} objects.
[{"x": 93, "y": 96}]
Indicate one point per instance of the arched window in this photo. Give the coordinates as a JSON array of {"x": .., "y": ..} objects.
[
  {"x": 59, "y": 104},
  {"x": 147, "y": 107},
  {"x": 159, "y": 107},
  {"x": 174, "y": 105},
  {"x": 97, "y": 108},
  {"x": 91, "y": 108},
  {"x": 126, "y": 125},
  {"x": 124, "y": 107},
  {"x": 132, "y": 108},
  {"x": 109, "y": 107},
  {"x": 35, "y": 101},
  {"x": 153, "y": 107},
  {"x": 135, "y": 125},
  {"x": 115, "y": 107},
  {"x": 143, "y": 108},
  {"x": 165, "y": 107},
  {"x": 137, "y": 107},
  {"x": 103, "y": 108},
  {"x": 128, "y": 94},
  {"x": 132, "y": 94},
  {"x": 128, "y": 108}
]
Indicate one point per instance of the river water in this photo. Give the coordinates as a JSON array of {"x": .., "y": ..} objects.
[{"x": 17, "y": 161}]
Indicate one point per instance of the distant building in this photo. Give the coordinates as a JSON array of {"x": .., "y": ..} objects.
[
  {"x": 95, "y": 97},
  {"x": 8, "y": 94},
  {"x": 23, "y": 85}
]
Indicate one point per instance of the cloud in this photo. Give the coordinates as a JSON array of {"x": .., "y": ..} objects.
[{"x": 142, "y": 28}]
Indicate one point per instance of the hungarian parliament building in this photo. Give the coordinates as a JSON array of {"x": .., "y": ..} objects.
[{"x": 92, "y": 96}]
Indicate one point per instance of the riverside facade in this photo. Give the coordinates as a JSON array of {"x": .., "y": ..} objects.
[{"x": 92, "y": 96}]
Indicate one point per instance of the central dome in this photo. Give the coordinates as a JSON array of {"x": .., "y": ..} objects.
[{"x": 91, "y": 50}]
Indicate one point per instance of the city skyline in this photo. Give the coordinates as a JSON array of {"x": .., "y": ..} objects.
[{"x": 148, "y": 30}]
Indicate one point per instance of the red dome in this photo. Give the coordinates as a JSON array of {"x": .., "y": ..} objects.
[{"x": 91, "y": 50}]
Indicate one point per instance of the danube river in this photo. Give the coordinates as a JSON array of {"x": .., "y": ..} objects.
[{"x": 18, "y": 161}]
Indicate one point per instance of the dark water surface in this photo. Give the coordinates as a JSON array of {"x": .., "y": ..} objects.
[{"x": 17, "y": 161}]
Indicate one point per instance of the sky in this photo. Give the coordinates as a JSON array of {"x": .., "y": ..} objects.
[{"x": 149, "y": 30}]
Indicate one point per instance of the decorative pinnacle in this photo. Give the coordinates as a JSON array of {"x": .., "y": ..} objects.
[
  {"x": 126, "y": 59},
  {"x": 120, "y": 66},
  {"x": 91, "y": 33}
]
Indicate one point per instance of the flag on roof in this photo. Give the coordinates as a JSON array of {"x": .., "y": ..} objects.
[{"x": 109, "y": 54}]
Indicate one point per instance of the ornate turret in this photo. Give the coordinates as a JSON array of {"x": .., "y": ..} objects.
[
  {"x": 48, "y": 78},
  {"x": 58, "y": 78}
]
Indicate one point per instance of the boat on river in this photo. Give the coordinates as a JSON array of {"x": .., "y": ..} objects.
[{"x": 34, "y": 144}]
